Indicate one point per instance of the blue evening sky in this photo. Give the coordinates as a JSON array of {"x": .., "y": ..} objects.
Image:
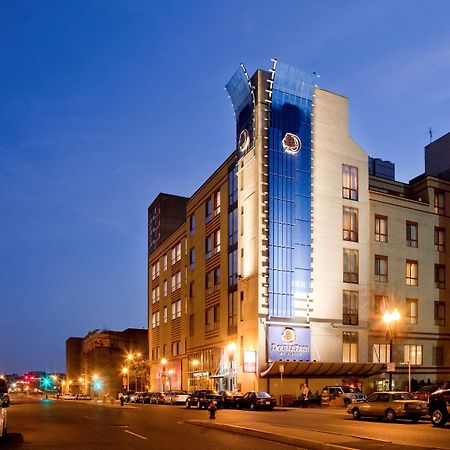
[{"x": 105, "y": 103}]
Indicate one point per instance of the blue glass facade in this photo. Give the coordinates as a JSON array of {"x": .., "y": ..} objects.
[{"x": 289, "y": 190}]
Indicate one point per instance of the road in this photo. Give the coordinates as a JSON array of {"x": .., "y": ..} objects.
[{"x": 57, "y": 424}]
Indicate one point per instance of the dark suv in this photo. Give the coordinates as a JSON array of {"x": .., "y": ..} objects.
[
  {"x": 439, "y": 407},
  {"x": 202, "y": 398}
]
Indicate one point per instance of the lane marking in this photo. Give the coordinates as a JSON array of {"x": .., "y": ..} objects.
[{"x": 134, "y": 434}]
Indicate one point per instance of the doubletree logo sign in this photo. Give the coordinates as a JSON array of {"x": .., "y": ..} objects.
[
  {"x": 291, "y": 143},
  {"x": 244, "y": 140},
  {"x": 288, "y": 335}
]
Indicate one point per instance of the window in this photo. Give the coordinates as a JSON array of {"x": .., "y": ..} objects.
[
  {"x": 412, "y": 311},
  {"x": 217, "y": 241},
  {"x": 191, "y": 325},
  {"x": 176, "y": 281},
  {"x": 176, "y": 253},
  {"x": 176, "y": 348},
  {"x": 351, "y": 268},
  {"x": 208, "y": 247},
  {"x": 208, "y": 210},
  {"x": 350, "y": 224},
  {"x": 380, "y": 305},
  {"x": 191, "y": 289},
  {"x": 209, "y": 282},
  {"x": 413, "y": 354},
  {"x": 350, "y": 308},
  {"x": 412, "y": 233},
  {"x": 232, "y": 268},
  {"x": 155, "y": 270},
  {"x": 155, "y": 353},
  {"x": 381, "y": 353},
  {"x": 217, "y": 203},
  {"x": 349, "y": 346},
  {"x": 165, "y": 262},
  {"x": 381, "y": 229},
  {"x": 349, "y": 182},
  {"x": 192, "y": 258},
  {"x": 439, "y": 239},
  {"x": 176, "y": 309},
  {"x": 155, "y": 319},
  {"x": 381, "y": 268},
  {"x": 232, "y": 312},
  {"x": 216, "y": 279},
  {"x": 165, "y": 288},
  {"x": 232, "y": 227},
  {"x": 439, "y": 202},
  {"x": 165, "y": 314},
  {"x": 155, "y": 294},
  {"x": 438, "y": 356},
  {"x": 241, "y": 306},
  {"x": 412, "y": 273},
  {"x": 212, "y": 318},
  {"x": 191, "y": 225},
  {"x": 439, "y": 313},
  {"x": 439, "y": 276}
]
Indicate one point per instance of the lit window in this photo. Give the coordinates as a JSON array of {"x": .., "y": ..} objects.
[
  {"x": 165, "y": 314},
  {"x": 350, "y": 308},
  {"x": 165, "y": 288},
  {"x": 349, "y": 182},
  {"x": 165, "y": 262},
  {"x": 217, "y": 203},
  {"x": 412, "y": 234},
  {"x": 381, "y": 268},
  {"x": 351, "y": 265},
  {"x": 439, "y": 276},
  {"x": 412, "y": 311},
  {"x": 381, "y": 353},
  {"x": 381, "y": 229},
  {"x": 439, "y": 239},
  {"x": 413, "y": 354},
  {"x": 212, "y": 318},
  {"x": 176, "y": 253},
  {"x": 349, "y": 346},
  {"x": 439, "y": 202},
  {"x": 439, "y": 313},
  {"x": 176, "y": 309},
  {"x": 412, "y": 273},
  {"x": 217, "y": 241},
  {"x": 155, "y": 319},
  {"x": 350, "y": 224},
  {"x": 155, "y": 294}
]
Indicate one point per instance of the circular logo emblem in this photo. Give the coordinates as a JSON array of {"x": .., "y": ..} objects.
[
  {"x": 288, "y": 335},
  {"x": 244, "y": 140},
  {"x": 291, "y": 143}
]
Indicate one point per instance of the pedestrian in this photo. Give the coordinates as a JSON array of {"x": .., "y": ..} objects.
[
  {"x": 305, "y": 393},
  {"x": 121, "y": 398}
]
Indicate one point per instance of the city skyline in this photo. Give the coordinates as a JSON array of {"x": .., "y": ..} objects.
[{"x": 94, "y": 99}]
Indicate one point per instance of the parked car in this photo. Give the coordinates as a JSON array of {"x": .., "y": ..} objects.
[
  {"x": 137, "y": 397},
  {"x": 127, "y": 395},
  {"x": 230, "y": 399},
  {"x": 347, "y": 393},
  {"x": 174, "y": 397},
  {"x": 390, "y": 405},
  {"x": 424, "y": 392},
  {"x": 83, "y": 397},
  {"x": 4, "y": 403},
  {"x": 439, "y": 407},
  {"x": 157, "y": 398},
  {"x": 256, "y": 400},
  {"x": 146, "y": 397},
  {"x": 68, "y": 397},
  {"x": 201, "y": 398},
  {"x": 4, "y": 391}
]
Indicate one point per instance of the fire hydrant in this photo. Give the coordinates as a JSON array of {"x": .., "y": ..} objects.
[{"x": 212, "y": 408}]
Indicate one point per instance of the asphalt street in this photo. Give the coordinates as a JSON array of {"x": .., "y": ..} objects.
[{"x": 57, "y": 424}]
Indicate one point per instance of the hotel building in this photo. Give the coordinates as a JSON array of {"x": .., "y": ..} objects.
[{"x": 282, "y": 265}]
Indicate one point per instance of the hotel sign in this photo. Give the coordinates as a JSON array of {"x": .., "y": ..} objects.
[
  {"x": 249, "y": 362},
  {"x": 289, "y": 343}
]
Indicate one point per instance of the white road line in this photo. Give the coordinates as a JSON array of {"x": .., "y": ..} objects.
[{"x": 134, "y": 434}]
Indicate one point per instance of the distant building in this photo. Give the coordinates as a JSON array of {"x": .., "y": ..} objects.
[
  {"x": 293, "y": 250},
  {"x": 104, "y": 362}
]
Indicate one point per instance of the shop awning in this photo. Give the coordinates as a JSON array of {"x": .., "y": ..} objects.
[{"x": 294, "y": 369}]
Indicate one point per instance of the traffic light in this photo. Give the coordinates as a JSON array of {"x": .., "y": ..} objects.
[{"x": 46, "y": 383}]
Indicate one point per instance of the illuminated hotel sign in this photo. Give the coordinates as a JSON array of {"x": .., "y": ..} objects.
[
  {"x": 289, "y": 343},
  {"x": 244, "y": 141},
  {"x": 291, "y": 143},
  {"x": 249, "y": 362}
]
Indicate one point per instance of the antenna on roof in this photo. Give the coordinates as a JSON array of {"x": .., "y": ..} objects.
[{"x": 430, "y": 132}]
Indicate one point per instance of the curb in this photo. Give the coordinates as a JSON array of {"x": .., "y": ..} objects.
[{"x": 273, "y": 437}]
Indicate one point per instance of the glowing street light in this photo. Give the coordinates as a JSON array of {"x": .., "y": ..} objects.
[
  {"x": 390, "y": 320},
  {"x": 163, "y": 375},
  {"x": 231, "y": 347}
]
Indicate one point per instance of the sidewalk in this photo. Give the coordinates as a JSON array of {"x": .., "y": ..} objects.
[{"x": 303, "y": 438}]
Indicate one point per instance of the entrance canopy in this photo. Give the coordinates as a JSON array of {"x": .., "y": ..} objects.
[{"x": 294, "y": 369}]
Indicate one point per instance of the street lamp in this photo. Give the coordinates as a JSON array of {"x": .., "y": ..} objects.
[
  {"x": 126, "y": 372},
  {"x": 163, "y": 376},
  {"x": 231, "y": 347},
  {"x": 390, "y": 319}
]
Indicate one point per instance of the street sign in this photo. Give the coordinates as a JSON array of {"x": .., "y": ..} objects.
[{"x": 390, "y": 367}]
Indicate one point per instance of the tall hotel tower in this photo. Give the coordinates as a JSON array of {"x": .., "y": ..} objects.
[{"x": 280, "y": 268}]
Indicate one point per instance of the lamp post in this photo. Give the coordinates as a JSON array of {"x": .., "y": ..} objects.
[
  {"x": 231, "y": 349},
  {"x": 126, "y": 372},
  {"x": 163, "y": 375},
  {"x": 390, "y": 319}
]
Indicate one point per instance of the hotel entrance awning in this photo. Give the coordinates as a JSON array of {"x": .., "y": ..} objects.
[{"x": 294, "y": 369}]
